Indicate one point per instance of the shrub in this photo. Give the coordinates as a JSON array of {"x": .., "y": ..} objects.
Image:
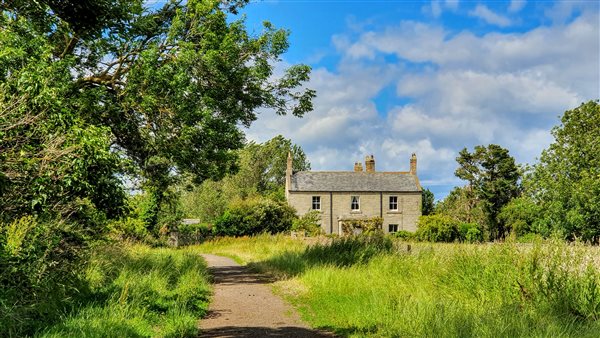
[
  {"x": 128, "y": 228},
  {"x": 365, "y": 226},
  {"x": 405, "y": 235},
  {"x": 470, "y": 232},
  {"x": 437, "y": 228},
  {"x": 193, "y": 233},
  {"x": 308, "y": 223},
  {"x": 254, "y": 216},
  {"x": 39, "y": 265}
]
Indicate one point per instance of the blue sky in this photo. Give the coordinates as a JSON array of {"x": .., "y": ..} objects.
[{"x": 432, "y": 77}]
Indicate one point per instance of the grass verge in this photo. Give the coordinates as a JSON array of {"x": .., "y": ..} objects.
[
  {"x": 138, "y": 291},
  {"x": 361, "y": 287}
]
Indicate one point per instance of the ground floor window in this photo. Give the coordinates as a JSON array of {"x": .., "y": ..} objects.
[{"x": 393, "y": 228}]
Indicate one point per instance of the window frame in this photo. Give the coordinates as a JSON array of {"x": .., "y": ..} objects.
[
  {"x": 393, "y": 225},
  {"x": 316, "y": 202},
  {"x": 390, "y": 203},
  {"x": 357, "y": 203}
]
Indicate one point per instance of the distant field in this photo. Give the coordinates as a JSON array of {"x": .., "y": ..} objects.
[
  {"x": 360, "y": 288},
  {"x": 138, "y": 291}
]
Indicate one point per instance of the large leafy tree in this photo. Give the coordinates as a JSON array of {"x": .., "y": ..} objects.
[
  {"x": 566, "y": 181},
  {"x": 164, "y": 89},
  {"x": 493, "y": 176}
]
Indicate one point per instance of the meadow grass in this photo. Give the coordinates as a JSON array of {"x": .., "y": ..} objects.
[
  {"x": 360, "y": 287},
  {"x": 138, "y": 291}
]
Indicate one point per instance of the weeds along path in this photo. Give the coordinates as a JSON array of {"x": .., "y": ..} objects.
[{"x": 243, "y": 305}]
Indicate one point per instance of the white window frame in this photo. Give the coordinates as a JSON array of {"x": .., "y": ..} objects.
[
  {"x": 395, "y": 202},
  {"x": 393, "y": 225},
  {"x": 316, "y": 201},
  {"x": 352, "y": 200}
]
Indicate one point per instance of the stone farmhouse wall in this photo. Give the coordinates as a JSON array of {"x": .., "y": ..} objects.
[{"x": 372, "y": 204}]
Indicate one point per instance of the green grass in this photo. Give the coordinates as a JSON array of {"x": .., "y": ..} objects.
[
  {"x": 362, "y": 288},
  {"x": 138, "y": 291}
]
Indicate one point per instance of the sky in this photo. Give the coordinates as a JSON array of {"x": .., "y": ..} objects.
[{"x": 431, "y": 77}]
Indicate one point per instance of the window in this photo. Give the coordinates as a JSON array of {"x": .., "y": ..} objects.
[
  {"x": 355, "y": 203},
  {"x": 393, "y": 228},
  {"x": 316, "y": 202},
  {"x": 393, "y": 202}
]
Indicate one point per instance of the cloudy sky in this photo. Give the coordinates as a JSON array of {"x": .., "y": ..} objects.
[{"x": 397, "y": 77}]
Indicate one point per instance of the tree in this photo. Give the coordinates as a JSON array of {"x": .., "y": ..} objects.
[
  {"x": 494, "y": 178},
  {"x": 566, "y": 181},
  {"x": 166, "y": 87},
  {"x": 462, "y": 205},
  {"x": 261, "y": 172},
  {"x": 427, "y": 203}
]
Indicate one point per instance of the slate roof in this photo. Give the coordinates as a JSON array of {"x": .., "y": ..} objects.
[{"x": 350, "y": 181}]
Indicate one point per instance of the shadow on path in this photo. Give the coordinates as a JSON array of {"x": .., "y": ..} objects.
[
  {"x": 255, "y": 332},
  {"x": 243, "y": 305}
]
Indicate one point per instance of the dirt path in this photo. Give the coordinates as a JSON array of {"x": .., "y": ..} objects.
[{"x": 243, "y": 305}]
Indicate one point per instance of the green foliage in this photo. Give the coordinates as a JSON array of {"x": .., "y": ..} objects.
[
  {"x": 441, "y": 228},
  {"x": 566, "y": 182},
  {"x": 254, "y": 216},
  {"x": 494, "y": 178},
  {"x": 193, "y": 233},
  {"x": 521, "y": 216},
  {"x": 137, "y": 291},
  {"x": 39, "y": 265},
  {"x": 427, "y": 202},
  {"x": 91, "y": 91},
  {"x": 462, "y": 205},
  {"x": 470, "y": 232},
  {"x": 261, "y": 172},
  {"x": 309, "y": 223},
  {"x": 363, "y": 226},
  {"x": 437, "y": 228},
  {"x": 405, "y": 235}
]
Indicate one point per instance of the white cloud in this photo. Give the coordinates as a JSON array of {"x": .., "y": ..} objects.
[
  {"x": 452, "y": 4},
  {"x": 516, "y": 5},
  {"x": 487, "y": 15}
]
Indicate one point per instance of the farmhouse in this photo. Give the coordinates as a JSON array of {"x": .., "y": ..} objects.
[{"x": 354, "y": 195}]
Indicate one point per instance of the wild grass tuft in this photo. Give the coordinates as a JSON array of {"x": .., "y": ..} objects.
[{"x": 139, "y": 291}]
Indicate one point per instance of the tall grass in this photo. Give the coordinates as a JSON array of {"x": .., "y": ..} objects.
[
  {"x": 139, "y": 291},
  {"x": 366, "y": 287}
]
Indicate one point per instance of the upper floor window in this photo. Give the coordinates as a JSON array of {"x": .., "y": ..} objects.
[
  {"x": 393, "y": 202},
  {"x": 355, "y": 203},
  {"x": 316, "y": 202}
]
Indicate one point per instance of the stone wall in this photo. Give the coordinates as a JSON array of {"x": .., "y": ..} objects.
[{"x": 372, "y": 204}]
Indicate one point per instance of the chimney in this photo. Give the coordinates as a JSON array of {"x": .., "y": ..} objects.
[
  {"x": 413, "y": 164},
  {"x": 358, "y": 166},
  {"x": 369, "y": 164},
  {"x": 288, "y": 175}
]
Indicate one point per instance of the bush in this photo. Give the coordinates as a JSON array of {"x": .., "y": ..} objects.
[
  {"x": 437, "y": 228},
  {"x": 470, "y": 232},
  {"x": 308, "y": 223},
  {"x": 39, "y": 265},
  {"x": 405, "y": 235},
  {"x": 365, "y": 226},
  {"x": 254, "y": 216},
  {"x": 193, "y": 233},
  {"x": 128, "y": 228}
]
